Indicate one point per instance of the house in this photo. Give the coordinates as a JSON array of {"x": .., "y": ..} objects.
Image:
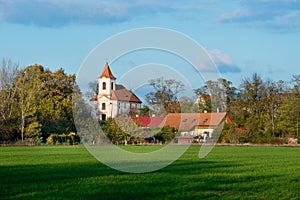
[
  {"x": 195, "y": 125},
  {"x": 190, "y": 126},
  {"x": 113, "y": 99}
]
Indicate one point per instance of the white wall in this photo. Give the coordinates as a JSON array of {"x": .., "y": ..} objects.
[{"x": 108, "y": 82}]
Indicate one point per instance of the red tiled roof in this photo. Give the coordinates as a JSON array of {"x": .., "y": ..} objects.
[
  {"x": 124, "y": 95},
  {"x": 120, "y": 94},
  {"x": 150, "y": 121},
  {"x": 107, "y": 73},
  {"x": 188, "y": 121}
]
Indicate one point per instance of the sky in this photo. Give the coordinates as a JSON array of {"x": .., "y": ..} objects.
[{"x": 241, "y": 37}]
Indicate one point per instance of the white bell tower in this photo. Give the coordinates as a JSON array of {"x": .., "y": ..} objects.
[
  {"x": 106, "y": 86},
  {"x": 106, "y": 82}
]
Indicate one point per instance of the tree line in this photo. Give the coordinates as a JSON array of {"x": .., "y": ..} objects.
[
  {"x": 35, "y": 103},
  {"x": 262, "y": 111},
  {"x": 36, "y": 106}
]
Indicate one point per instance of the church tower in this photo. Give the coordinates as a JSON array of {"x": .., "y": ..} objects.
[
  {"x": 106, "y": 82},
  {"x": 106, "y": 86},
  {"x": 112, "y": 99}
]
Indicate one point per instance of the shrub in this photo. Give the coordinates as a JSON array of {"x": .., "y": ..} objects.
[{"x": 72, "y": 138}]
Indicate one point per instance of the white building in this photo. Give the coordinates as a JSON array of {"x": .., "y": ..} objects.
[{"x": 113, "y": 99}]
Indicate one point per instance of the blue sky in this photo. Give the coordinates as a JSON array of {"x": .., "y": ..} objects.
[{"x": 242, "y": 36}]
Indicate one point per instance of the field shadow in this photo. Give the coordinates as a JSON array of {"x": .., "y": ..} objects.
[
  {"x": 186, "y": 178},
  {"x": 94, "y": 180}
]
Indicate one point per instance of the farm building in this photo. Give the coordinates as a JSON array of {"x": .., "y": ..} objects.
[
  {"x": 196, "y": 123},
  {"x": 190, "y": 126}
]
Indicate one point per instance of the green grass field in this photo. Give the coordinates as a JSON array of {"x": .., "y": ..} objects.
[{"x": 70, "y": 172}]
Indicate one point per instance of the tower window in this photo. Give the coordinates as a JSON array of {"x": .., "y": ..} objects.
[
  {"x": 103, "y": 106},
  {"x": 112, "y": 86},
  {"x": 103, "y": 86}
]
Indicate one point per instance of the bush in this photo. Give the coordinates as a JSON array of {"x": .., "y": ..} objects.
[{"x": 72, "y": 139}]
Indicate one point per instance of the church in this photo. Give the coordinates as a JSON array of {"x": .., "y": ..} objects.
[{"x": 114, "y": 99}]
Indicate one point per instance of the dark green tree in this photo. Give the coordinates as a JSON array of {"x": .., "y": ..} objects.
[
  {"x": 166, "y": 134},
  {"x": 56, "y": 113}
]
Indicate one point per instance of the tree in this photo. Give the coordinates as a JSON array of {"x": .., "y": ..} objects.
[
  {"x": 56, "y": 114},
  {"x": 289, "y": 111},
  {"x": 166, "y": 92},
  {"x": 296, "y": 81},
  {"x": 114, "y": 132},
  {"x": 166, "y": 134},
  {"x": 272, "y": 103},
  {"x": 252, "y": 92},
  {"x": 289, "y": 115},
  {"x": 33, "y": 130},
  {"x": 188, "y": 105},
  {"x": 44, "y": 101},
  {"x": 86, "y": 126},
  {"x": 264, "y": 109},
  {"x": 216, "y": 95},
  {"x": 92, "y": 89},
  {"x": 8, "y": 74},
  {"x": 145, "y": 111},
  {"x": 28, "y": 86}
]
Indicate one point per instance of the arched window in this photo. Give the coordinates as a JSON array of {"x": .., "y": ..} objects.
[
  {"x": 103, "y": 106},
  {"x": 103, "y": 86}
]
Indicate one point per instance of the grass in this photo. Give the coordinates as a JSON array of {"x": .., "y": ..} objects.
[{"x": 70, "y": 172}]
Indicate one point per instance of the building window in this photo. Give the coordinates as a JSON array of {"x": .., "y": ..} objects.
[
  {"x": 103, "y": 86},
  {"x": 103, "y": 106},
  {"x": 103, "y": 117},
  {"x": 112, "y": 86}
]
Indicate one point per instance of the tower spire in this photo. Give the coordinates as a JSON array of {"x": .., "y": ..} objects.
[{"x": 107, "y": 73}]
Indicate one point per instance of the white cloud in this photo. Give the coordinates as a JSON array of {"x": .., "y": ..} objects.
[
  {"x": 278, "y": 15},
  {"x": 223, "y": 61},
  {"x": 64, "y": 12},
  {"x": 220, "y": 58}
]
